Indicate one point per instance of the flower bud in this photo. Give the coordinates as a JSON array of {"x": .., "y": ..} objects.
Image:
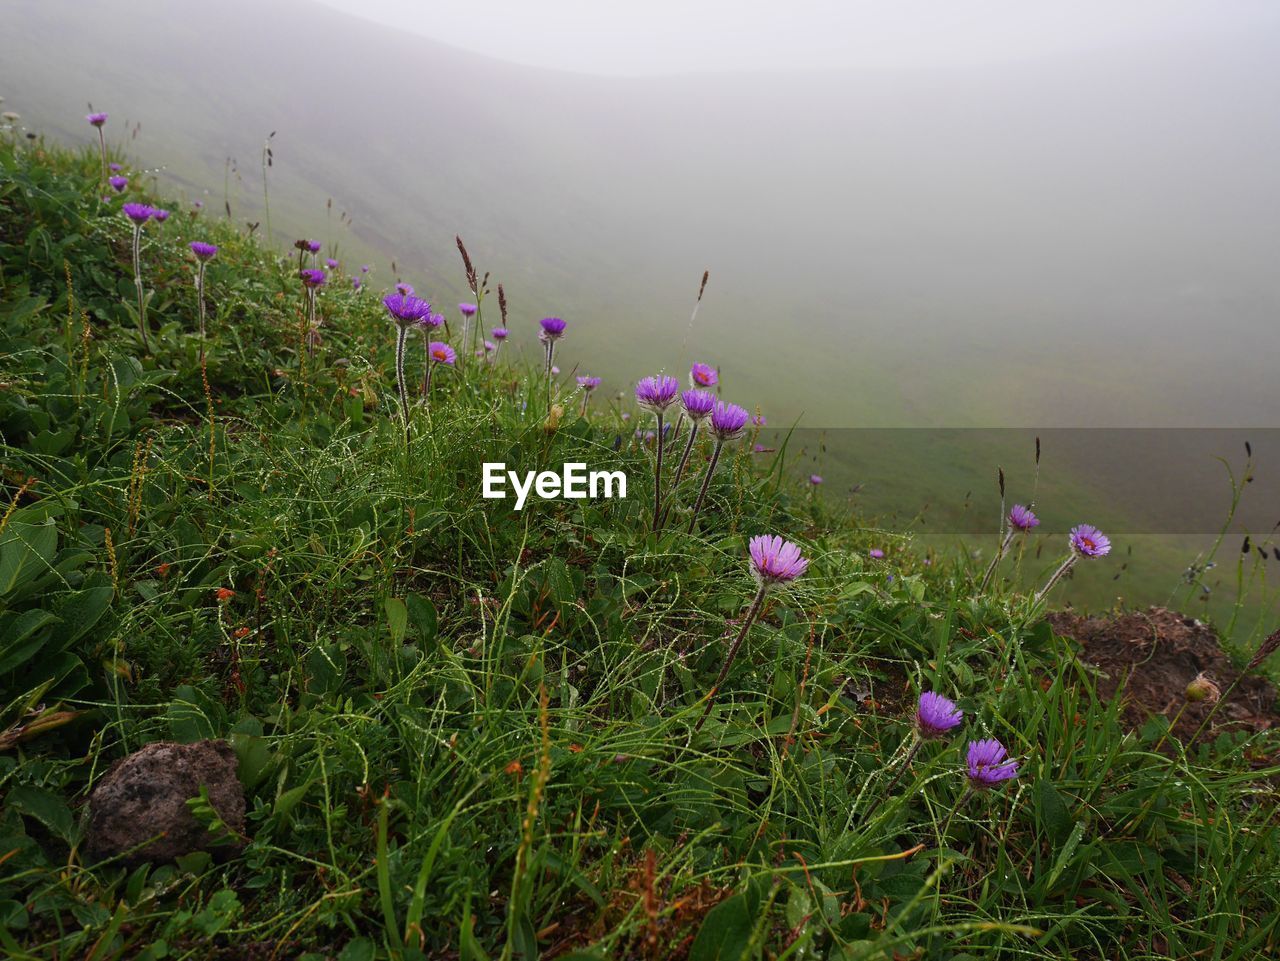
[{"x": 1203, "y": 689}]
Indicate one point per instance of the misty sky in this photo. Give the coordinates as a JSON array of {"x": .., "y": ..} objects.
[{"x": 677, "y": 36}]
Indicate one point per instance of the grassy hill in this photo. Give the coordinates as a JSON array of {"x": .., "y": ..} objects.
[
  {"x": 469, "y": 732},
  {"x": 983, "y": 247}
]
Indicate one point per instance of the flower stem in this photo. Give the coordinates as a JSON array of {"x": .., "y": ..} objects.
[
  {"x": 102, "y": 145},
  {"x": 401, "y": 335},
  {"x": 657, "y": 476},
  {"x": 752, "y": 611},
  {"x": 995, "y": 561},
  {"x": 551, "y": 349},
  {"x": 137, "y": 281},
  {"x": 1057, "y": 576},
  {"x": 684, "y": 459},
  {"x": 200, "y": 298},
  {"x": 706, "y": 482},
  {"x": 946, "y": 828},
  {"x": 916, "y": 744}
]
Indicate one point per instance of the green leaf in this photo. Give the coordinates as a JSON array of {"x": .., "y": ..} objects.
[
  {"x": 17, "y": 644},
  {"x": 422, "y": 613},
  {"x": 45, "y": 806},
  {"x": 397, "y": 618},
  {"x": 26, "y": 551},
  {"x": 358, "y": 949},
  {"x": 1054, "y": 816},
  {"x": 725, "y": 934},
  {"x": 79, "y": 612}
]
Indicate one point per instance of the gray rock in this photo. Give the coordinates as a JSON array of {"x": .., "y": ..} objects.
[{"x": 144, "y": 796}]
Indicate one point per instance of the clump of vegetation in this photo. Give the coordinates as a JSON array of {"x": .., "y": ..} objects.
[{"x": 469, "y": 732}]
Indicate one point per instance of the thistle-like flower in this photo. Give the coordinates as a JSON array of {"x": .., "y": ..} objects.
[
  {"x": 587, "y": 385},
  {"x": 774, "y": 562},
  {"x": 331, "y": 263},
  {"x": 1022, "y": 518},
  {"x": 160, "y": 214},
  {"x": 815, "y": 480},
  {"x": 937, "y": 716},
  {"x": 989, "y": 765},
  {"x": 1088, "y": 541},
  {"x": 656, "y": 394},
  {"x": 97, "y": 119},
  {"x": 138, "y": 213},
  {"x": 118, "y": 183},
  {"x": 727, "y": 423},
  {"x": 703, "y": 375},
  {"x": 1085, "y": 541}
]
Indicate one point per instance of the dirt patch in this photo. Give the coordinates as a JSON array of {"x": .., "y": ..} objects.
[{"x": 1155, "y": 654}]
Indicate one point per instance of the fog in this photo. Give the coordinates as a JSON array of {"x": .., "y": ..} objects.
[{"x": 1062, "y": 217}]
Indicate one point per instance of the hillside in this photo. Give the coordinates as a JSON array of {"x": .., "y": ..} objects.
[{"x": 463, "y": 731}]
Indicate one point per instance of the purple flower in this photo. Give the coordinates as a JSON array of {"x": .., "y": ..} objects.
[
  {"x": 1088, "y": 541},
  {"x": 657, "y": 393},
  {"x": 698, "y": 404},
  {"x": 436, "y": 320},
  {"x": 331, "y": 263},
  {"x": 314, "y": 246},
  {"x": 138, "y": 213},
  {"x": 467, "y": 310},
  {"x": 160, "y": 214},
  {"x": 500, "y": 334},
  {"x": 97, "y": 119},
  {"x": 490, "y": 346},
  {"x": 728, "y": 420},
  {"x": 758, "y": 421},
  {"x": 441, "y": 352},
  {"x": 204, "y": 251},
  {"x": 1022, "y": 518},
  {"x": 406, "y": 309},
  {"x": 937, "y": 716},
  {"x": 404, "y": 290},
  {"x": 703, "y": 375},
  {"x": 815, "y": 479},
  {"x": 118, "y": 183},
  {"x": 552, "y": 328},
  {"x": 115, "y": 168},
  {"x": 555, "y": 369},
  {"x": 775, "y": 561},
  {"x": 198, "y": 204},
  {"x": 588, "y": 383},
  {"x": 364, "y": 268},
  {"x": 355, "y": 283},
  {"x": 312, "y": 277},
  {"x": 989, "y": 764},
  {"x": 876, "y": 553},
  {"x": 429, "y": 321}
]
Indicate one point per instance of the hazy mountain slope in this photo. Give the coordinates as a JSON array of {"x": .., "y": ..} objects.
[{"x": 1064, "y": 241}]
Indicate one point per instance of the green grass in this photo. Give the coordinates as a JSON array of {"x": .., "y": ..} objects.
[{"x": 467, "y": 732}]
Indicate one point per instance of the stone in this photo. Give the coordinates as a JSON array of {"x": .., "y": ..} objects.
[{"x": 144, "y": 796}]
